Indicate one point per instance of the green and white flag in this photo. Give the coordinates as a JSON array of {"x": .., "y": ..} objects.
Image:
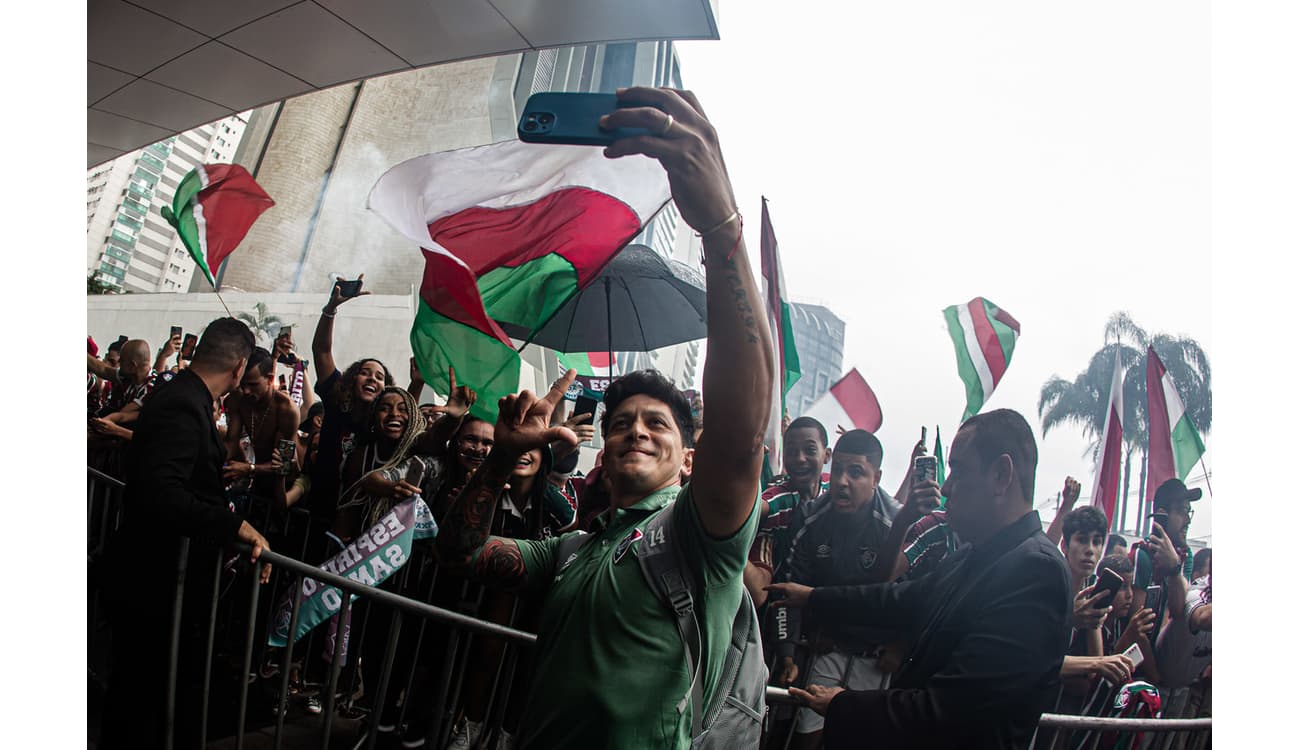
[
  {"x": 212, "y": 209},
  {"x": 779, "y": 323},
  {"x": 984, "y": 335},
  {"x": 1174, "y": 445}
]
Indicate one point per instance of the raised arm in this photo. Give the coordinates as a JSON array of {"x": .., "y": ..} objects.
[
  {"x": 322, "y": 342},
  {"x": 1069, "y": 496},
  {"x": 738, "y": 374},
  {"x": 523, "y": 423},
  {"x": 170, "y": 347}
]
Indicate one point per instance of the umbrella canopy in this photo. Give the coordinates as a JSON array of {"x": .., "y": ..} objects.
[{"x": 640, "y": 302}]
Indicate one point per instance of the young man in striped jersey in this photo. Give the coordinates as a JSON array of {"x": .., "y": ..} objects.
[{"x": 805, "y": 451}]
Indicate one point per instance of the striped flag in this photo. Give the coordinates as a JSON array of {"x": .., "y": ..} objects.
[
  {"x": 850, "y": 404},
  {"x": 1174, "y": 445},
  {"x": 782, "y": 328},
  {"x": 1105, "y": 491},
  {"x": 984, "y": 336},
  {"x": 941, "y": 470},
  {"x": 212, "y": 209},
  {"x": 510, "y": 232}
]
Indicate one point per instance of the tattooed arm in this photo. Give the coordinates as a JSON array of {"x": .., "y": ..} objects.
[
  {"x": 523, "y": 423},
  {"x": 738, "y": 373}
]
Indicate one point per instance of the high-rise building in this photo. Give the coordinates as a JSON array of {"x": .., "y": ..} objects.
[
  {"x": 819, "y": 337},
  {"x": 129, "y": 246}
]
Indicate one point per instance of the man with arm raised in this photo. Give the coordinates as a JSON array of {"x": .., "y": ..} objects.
[{"x": 611, "y": 666}]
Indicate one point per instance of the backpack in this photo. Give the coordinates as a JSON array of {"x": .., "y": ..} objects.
[{"x": 735, "y": 718}]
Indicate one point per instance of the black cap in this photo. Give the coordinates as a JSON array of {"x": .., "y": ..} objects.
[
  {"x": 316, "y": 410},
  {"x": 1172, "y": 490}
]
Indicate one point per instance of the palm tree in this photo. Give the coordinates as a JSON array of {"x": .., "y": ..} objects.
[
  {"x": 265, "y": 327},
  {"x": 1083, "y": 401}
]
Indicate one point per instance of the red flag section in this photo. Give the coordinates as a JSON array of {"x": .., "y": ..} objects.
[{"x": 1106, "y": 490}]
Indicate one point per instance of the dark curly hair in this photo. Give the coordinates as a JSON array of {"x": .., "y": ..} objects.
[
  {"x": 343, "y": 388},
  {"x": 654, "y": 384}
]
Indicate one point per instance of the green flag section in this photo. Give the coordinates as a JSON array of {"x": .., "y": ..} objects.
[
  {"x": 212, "y": 210},
  {"x": 780, "y": 324},
  {"x": 595, "y": 371},
  {"x": 942, "y": 471},
  {"x": 1174, "y": 445},
  {"x": 984, "y": 336},
  {"x": 509, "y": 233}
]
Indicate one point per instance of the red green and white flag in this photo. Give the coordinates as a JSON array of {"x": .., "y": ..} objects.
[
  {"x": 984, "y": 336},
  {"x": 850, "y": 404},
  {"x": 510, "y": 232},
  {"x": 212, "y": 210},
  {"x": 594, "y": 370},
  {"x": 780, "y": 324},
  {"x": 1105, "y": 491},
  {"x": 1174, "y": 445}
]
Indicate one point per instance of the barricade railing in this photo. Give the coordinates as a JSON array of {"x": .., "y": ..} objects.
[{"x": 104, "y": 505}]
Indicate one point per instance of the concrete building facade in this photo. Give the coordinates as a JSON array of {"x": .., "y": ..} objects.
[
  {"x": 819, "y": 336},
  {"x": 129, "y": 246}
]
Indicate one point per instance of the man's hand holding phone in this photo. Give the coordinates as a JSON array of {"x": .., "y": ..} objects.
[{"x": 1087, "y": 615}]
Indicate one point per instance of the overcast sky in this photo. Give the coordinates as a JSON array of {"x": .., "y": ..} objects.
[{"x": 1053, "y": 158}]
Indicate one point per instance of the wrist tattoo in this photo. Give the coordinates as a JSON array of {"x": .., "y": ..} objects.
[{"x": 469, "y": 519}]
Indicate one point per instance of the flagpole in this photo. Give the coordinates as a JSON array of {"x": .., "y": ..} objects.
[
  {"x": 609, "y": 329},
  {"x": 219, "y": 299},
  {"x": 1207, "y": 475}
]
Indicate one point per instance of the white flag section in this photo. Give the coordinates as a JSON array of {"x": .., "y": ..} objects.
[
  {"x": 1105, "y": 492},
  {"x": 850, "y": 404}
]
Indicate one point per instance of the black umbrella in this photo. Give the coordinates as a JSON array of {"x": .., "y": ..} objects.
[{"x": 641, "y": 301}]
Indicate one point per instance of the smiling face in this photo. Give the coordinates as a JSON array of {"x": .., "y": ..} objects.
[
  {"x": 804, "y": 454},
  {"x": 643, "y": 447},
  {"x": 528, "y": 464},
  {"x": 391, "y": 417},
  {"x": 369, "y": 381},
  {"x": 853, "y": 482},
  {"x": 473, "y": 444}
]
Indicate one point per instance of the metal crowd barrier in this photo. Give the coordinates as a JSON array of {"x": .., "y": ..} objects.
[{"x": 103, "y": 512}]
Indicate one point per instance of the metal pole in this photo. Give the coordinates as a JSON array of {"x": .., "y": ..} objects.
[
  {"x": 169, "y": 718},
  {"x": 340, "y": 633},
  {"x": 207, "y": 662},
  {"x": 440, "y": 696},
  {"x": 283, "y": 708},
  {"x": 415, "y": 654},
  {"x": 248, "y": 656}
]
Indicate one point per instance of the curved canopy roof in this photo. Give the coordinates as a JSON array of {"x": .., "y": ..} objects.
[{"x": 160, "y": 67}]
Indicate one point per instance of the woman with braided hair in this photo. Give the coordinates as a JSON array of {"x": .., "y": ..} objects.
[{"x": 381, "y": 466}]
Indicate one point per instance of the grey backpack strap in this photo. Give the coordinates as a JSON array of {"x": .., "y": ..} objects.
[
  {"x": 568, "y": 549},
  {"x": 661, "y": 565}
]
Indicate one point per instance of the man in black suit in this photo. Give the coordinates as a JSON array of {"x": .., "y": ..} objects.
[
  {"x": 989, "y": 627},
  {"x": 173, "y": 490}
]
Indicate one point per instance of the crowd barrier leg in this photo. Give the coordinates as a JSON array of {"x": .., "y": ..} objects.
[
  {"x": 327, "y": 711},
  {"x": 207, "y": 661},
  {"x": 419, "y": 646},
  {"x": 494, "y": 713},
  {"x": 439, "y": 703},
  {"x": 248, "y": 656},
  {"x": 283, "y": 708},
  {"x": 173, "y": 653}
]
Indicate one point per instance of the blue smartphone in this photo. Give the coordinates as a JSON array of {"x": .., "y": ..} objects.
[{"x": 571, "y": 119}]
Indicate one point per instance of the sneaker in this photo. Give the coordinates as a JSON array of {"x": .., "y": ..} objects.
[
  {"x": 466, "y": 735},
  {"x": 313, "y": 705}
]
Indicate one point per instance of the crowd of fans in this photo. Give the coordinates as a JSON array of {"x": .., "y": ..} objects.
[{"x": 933, "y": 616}]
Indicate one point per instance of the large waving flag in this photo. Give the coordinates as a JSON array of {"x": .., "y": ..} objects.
[
  {"x": 1174, "y": 445},
  {"x": 1105, "y": 491},
  {"x": 779, "y": 323},
  {"x": 984, "y": 336},
  {"x": 509, "y": 231},
  {"x": 850, "y": 404},
  {"x": 212, "y": 209}
]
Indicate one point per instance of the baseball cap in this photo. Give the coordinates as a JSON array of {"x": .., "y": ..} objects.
[
  {"x": 316, "y": 410},
  {"x": 1172, "y": 490}
]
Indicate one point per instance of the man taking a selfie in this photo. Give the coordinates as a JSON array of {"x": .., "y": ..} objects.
[{"x": 627, "y": 683}]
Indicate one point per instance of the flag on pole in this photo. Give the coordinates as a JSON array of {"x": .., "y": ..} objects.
[
  {"x": 510, "y": 232},
  {"x": 1173, "y": 444},
  {"x": 941, "y": 471},
  {"x": 595, "y": 370},
  {"x": 1105, "y": 491},
  {"x": 850, "y": 404},
  {"x": 779, "y": 323},
  {"x": 984, "y": 336},
  {"x": 212, "y": 209}
]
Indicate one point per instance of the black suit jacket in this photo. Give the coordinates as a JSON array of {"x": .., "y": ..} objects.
[
  {"x": 991, "y": 626},
  {"x": 173, "y": 470}
]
